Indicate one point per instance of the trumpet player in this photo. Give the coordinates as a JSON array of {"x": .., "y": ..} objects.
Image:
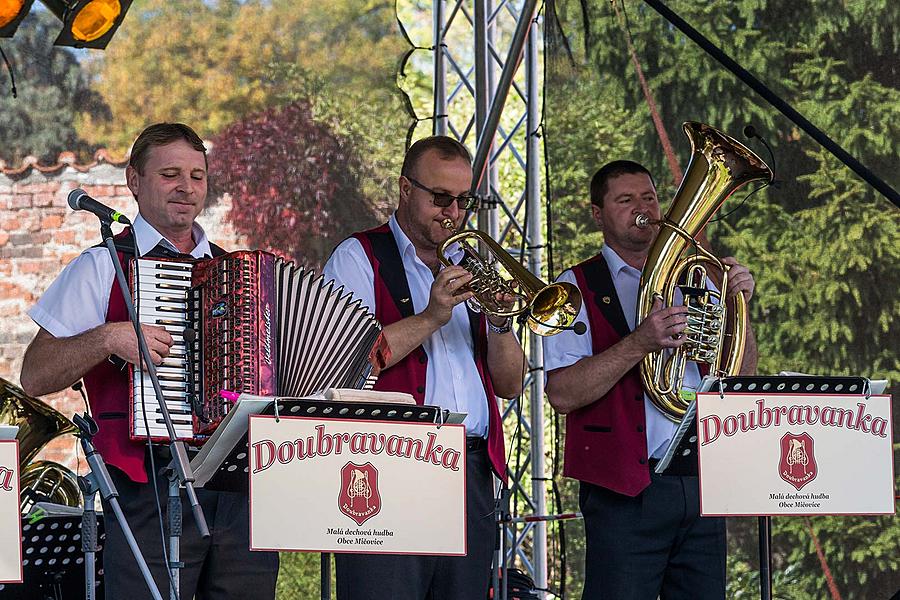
[
  {"x": 644, "y": 536},
  {"x": 441, "y": 352}
]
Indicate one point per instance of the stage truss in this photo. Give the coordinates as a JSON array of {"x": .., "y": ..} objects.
[{"x": 478, "y": 96}]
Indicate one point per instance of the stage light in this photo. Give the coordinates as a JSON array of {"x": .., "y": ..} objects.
[
  {"x": 11, "y": 14},
  {"x": 87, "y": 23}
]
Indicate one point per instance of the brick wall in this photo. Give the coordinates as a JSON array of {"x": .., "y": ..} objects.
[{"x": 39, "y": 235}]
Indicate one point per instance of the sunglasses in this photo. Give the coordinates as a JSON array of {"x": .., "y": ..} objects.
[{"x": 443, "y": 199}]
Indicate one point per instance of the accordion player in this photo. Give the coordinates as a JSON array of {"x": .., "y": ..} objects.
[{"x": 247, "y": 322}]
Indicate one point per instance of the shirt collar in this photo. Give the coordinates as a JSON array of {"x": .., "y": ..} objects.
[
  {"x": 146, "y": 238},
  {"x": 405, "y": 246},
  {"x": 615, "y": 262}
]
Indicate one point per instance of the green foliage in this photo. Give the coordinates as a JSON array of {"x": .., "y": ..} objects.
[
  {"x": 822, "y": 244},
  {"x": 52, "y": 90},
  {"x": 210, "y": 64},
  {"x": 299, "y": 576}
]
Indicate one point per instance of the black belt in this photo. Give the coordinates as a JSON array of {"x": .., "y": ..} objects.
[{"x": 476, "y": 443}]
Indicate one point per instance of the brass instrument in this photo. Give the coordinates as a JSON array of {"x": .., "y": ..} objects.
[
  {"x": 549, "y": 308},
  {"x": 38, "y": 424},
  {"x": 719, "y": 165}
]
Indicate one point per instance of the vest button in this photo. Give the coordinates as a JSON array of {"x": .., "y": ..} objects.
[
  {"x": 639, "y": 397},
  {"x": 640, "y": 428},
  {"x": 643, "y": 461},
  {"x": 421, "y": 389},
  {"x": 423, "y": 359}
]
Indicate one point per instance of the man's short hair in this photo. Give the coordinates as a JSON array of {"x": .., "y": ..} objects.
[
  {"x": 161, "y": 134},
  {"x": 600, "y": 180},
  {"x": 446, "y": 147}
]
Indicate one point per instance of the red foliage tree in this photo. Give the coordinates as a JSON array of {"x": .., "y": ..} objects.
[{"x": 294, "y": 183}]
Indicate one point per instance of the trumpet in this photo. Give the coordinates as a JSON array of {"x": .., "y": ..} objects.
[{"x": 547, "y": 308}]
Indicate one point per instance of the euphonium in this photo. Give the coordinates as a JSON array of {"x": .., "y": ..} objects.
[
  {"x": 719, "y": 166},
  {"x": 38, "y": 423},
  {"x": 549, "y": 307}
]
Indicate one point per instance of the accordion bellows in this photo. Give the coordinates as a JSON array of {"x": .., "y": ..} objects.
[{"x": 246, "y": 322}]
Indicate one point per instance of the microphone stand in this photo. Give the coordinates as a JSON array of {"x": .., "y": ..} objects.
[
  {"x": 98, "y": 480},
  {"x": 180, "y": 469}
]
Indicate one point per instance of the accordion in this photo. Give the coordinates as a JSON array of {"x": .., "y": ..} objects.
[{"x": 246, "y": 322}]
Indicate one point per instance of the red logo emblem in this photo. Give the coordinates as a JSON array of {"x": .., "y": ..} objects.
[
  {"x": 359, "y": 498},
  {"x": 798, "y": 461}
]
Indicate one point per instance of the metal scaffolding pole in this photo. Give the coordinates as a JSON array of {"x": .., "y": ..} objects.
[
  {"x": 505, "y": 117},
  {"x": 440, "y": 70},
  {"x": 536, "y": 350}
]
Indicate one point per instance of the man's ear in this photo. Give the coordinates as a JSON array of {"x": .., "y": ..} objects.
[
  {"x": 404, "y": 186},
  {"x": 131, "y": 179},
  {"x": 597, "y": 214}
]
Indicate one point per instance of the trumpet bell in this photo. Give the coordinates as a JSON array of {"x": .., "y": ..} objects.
[{"x": 554, "y": 308}]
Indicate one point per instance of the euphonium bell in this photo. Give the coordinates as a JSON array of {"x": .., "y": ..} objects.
[
  {"x": 547, "y": 308},
  {"x": 38, "y": 423},
  {"x": 719, "y": 166}
]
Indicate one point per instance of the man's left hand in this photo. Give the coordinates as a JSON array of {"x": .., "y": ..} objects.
[
  {"x": 739, "y": 279},
  {"x": 506, "y": 302}
]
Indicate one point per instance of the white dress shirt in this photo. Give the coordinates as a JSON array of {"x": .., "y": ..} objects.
[
  {"x": 78, "y": 298},
  {"x": 567, "y": 348},
  {"x": 451, "y": 379}
]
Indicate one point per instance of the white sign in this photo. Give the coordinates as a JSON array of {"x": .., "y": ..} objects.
[
  {"x": 10, "y": 517},
  {"x": 339, "y": 485},
  {"x": 795, "y": 454}
]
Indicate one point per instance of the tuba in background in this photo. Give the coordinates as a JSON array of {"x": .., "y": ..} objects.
[
  {"x": 719, "y": 166},
  {"x": 38, "y": 423}
]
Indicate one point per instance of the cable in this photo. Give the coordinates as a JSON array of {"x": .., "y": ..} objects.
[
  {"x": 751, "y": 133},
  {"x": 12, "y": 76},
  {"x": 401, "y": 74}
]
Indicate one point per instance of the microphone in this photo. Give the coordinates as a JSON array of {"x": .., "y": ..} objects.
[
  {"x": 79, "y": 200},
  {"x": 750, "y": 132},
  {"x": 578, "y": 327}
]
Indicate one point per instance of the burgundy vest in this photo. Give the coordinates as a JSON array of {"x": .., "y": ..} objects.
[
  {"x": 393, "y": 303},
  {"x": 107, "y": 385},
  {"x": 605, "y": 441}
]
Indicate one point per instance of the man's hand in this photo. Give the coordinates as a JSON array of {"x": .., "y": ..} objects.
[
  {"x": 445, "y": 294},
  {"x": 662, "y": 328},
  {"x": 739, "y": 279},
  {"x": 122, "y": 342}
]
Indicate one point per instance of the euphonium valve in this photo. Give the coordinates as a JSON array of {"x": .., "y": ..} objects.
[
  {"x": 547, "y": 308},
  {"x": 719, "y": 166}
]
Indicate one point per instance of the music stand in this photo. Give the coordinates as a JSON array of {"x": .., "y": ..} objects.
[
  {"x": 223, "y": 462},
  {"x": 785, "y": 383},
  {"x": 52, "y": 559}
]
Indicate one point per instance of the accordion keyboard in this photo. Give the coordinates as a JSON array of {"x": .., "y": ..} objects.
[{"x": 160, "y": 294}]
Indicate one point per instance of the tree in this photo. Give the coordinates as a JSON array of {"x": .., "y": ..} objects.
[
  {"x": 210, "y": 64},
  {"x": 295, "y": 184},
  {"x": 53, "y": 92}
]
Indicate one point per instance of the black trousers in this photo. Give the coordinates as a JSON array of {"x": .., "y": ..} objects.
[
  {"x": 219, "y": 568},
  {"x": 405, "y": 577},
  {"x": 653, "y": 545}
]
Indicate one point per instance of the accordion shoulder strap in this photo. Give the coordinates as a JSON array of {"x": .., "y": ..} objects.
[{"x": 387, "y": 260}]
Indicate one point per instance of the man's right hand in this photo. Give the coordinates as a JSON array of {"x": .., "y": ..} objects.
[
  {"x": 662, "y": 328},
  {"x": 445, "y": 294},
  {"x": 122, "y": 341}
]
